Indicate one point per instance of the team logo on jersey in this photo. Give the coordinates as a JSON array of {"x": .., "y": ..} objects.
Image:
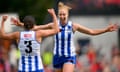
[{"x": 27, "y": 35}]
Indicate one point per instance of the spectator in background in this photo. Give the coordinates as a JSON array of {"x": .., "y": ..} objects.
[
  {"x": 13, "y": 57},
  {"x": 2, "y": 67},
  {"x": 47, "y": 61},
  {"x": 115, "y": 64}
]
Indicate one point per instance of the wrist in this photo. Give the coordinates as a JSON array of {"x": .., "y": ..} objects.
[{"x": 106, "y": 30}]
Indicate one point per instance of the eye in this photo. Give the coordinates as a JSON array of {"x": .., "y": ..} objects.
[{"x": 59, "y": 14}]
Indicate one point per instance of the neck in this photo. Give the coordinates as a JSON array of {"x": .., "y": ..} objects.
[
  {"x": 63, "y": 22},
  {"x": 27, "y": 29}
]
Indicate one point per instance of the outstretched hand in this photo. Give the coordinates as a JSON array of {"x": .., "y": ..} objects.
[{"x": 112, "y": 27}]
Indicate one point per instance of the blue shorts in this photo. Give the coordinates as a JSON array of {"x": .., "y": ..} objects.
[
  {"x": 59, "y": 61},
  {"x": 33, "y": 71}
]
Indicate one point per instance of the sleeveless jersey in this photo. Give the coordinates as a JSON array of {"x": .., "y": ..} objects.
[
  {"x": 64, "y": 45},
  {"x": 30, "y": 60}
]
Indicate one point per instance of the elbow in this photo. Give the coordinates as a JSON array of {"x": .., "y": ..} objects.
[
  {"x": 57, "y": 30},
  {"x": 91, "y": 32}
]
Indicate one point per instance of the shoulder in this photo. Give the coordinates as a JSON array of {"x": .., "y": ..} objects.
[
  {"x": 74, "y": 26},
  {"x": 72, "y": 23}
]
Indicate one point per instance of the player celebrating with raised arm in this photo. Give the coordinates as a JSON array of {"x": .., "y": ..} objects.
[{"x": 29, "y": 42}]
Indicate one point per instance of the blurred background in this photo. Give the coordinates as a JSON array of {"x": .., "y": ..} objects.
[{"x": 94, "y": 53}]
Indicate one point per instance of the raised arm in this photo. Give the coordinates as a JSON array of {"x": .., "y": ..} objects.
[
  {"x": 80, "y": 28},
  {"x": 54, "y": 30},
  {"x": 36, "y": 27},
  {"x": 42, "y": 27},
  {"x": 16, "y": 21},
  {"x": 4, "y": 35}
]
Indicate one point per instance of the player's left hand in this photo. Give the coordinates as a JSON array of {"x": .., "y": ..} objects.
[{"x": 112, "y": 27}]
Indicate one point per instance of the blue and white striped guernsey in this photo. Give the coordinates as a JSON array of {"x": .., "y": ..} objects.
[
  {"x": 64, "y": 45},
  {"x": 30, "y": 60}
]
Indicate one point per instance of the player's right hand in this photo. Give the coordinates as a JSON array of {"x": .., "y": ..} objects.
[{"x": 51, "y": 11}]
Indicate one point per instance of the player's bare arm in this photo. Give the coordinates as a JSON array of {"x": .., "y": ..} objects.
[
  {"x": 36, "y": 27},
  {"x": 80, "y": 28},
  {"x": 54, "y": 30},
  {"x": 4, "y": 35},
  {"x": 46, "y": 26}
]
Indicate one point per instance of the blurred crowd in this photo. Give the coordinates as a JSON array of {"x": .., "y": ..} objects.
[
  {"x": 94, "y": 3},
  {"x": 9, "y": 55},
  {"x": 91, "y": 60},
  {"x": 94, "y": 6}
]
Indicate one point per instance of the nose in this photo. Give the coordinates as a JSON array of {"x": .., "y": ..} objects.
[{"x": 62, "y": 16}]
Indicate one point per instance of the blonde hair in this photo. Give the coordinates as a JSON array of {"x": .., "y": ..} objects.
[{"x": 61, "y": 5}]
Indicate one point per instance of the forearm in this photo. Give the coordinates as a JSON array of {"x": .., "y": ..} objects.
[
  {"x": 89, "y": 31},
  {"x": 2, "y": 30},
  {"x": 38, "y": 27},
  {"x": 21, "y": 24},
  {"x": 55, "y": 22},
  {"x": 99, "y": 31}
]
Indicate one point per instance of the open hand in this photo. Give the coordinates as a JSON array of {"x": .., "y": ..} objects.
[
  {"x": 112, "y": 27},
  {"x": 15, "y": 21}
]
